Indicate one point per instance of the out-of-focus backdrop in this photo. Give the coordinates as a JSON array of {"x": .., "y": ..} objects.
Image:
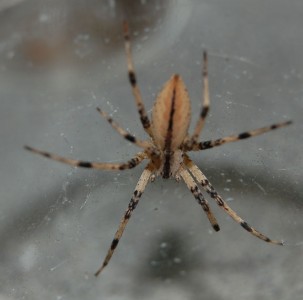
[{"x": 59, "y": 60}]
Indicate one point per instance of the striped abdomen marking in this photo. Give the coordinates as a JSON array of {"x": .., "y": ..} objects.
[{"x": 171, "y": 115}]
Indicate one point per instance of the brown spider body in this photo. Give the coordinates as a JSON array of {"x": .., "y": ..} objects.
[
  {"x": 171, "y": 115},
  {"x": 167, "y": 148},
  {"x": 170, "y": 121}
]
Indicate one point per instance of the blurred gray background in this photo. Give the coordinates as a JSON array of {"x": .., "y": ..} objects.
[{"x": 61, "y": 59}]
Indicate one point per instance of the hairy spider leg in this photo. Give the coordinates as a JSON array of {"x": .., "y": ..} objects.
[
  {"x": 131, "y": 138},
  {"x": 133, "y": 82},
  {"x": 201, "y": 178},
  {"x": 234, "y": 138},
  {"x": 137, "y": 159},
  {"x": 140, "y": 187},
  {"x": 205, "y": 103},
  {"x": 192, "y": 186}
]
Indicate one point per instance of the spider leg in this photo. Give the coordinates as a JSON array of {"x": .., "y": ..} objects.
[
  {"x": 197, "y": 173},
  {"x": 140, "y": 187},
  {"x": 192, "y": 186},
  {"x": 137, "y": 159},
  {"x": 124, "y": 133},
  {"x": 206, "y": 101},
  {"x": 133, "y": 82},
  {"x": 234, "y": 138}
]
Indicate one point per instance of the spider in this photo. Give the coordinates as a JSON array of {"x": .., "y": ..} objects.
[{"x": 167, "y": 147}]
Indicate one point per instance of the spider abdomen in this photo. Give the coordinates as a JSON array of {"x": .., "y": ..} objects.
[{"x": 171, "y": 115}]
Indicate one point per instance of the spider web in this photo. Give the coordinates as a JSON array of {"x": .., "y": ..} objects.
[{"x": 57, "y": 222}]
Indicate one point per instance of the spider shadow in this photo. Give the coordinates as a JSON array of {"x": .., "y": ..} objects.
[{"x": 168, "y": 264}]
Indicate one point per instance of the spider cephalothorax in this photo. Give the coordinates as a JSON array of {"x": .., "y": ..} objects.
[{"x": 167, "y": 147}]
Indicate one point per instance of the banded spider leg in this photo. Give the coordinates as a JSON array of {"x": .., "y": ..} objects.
[
  {"x": 201, "y": 178},
  {"x": 140, "y": 187}
]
